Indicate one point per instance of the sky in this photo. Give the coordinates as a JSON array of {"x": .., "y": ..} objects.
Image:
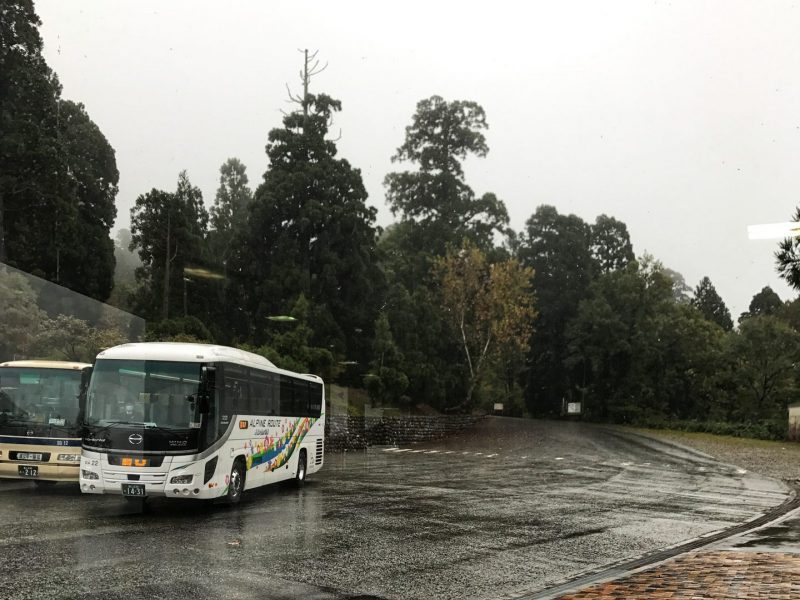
[{"x": 681, "y": 119}]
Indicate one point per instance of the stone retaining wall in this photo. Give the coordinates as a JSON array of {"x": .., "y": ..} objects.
[{"x": 356, "y": 433}]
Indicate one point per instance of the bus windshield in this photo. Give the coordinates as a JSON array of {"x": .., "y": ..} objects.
[
  {"x": 148, "y": 393},
  {"x": 47, "y": 397}
]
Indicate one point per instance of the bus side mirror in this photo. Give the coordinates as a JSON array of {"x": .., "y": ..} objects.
[
  {"x": 208, "y": 382},
  {"x": 208, "y": 379}
]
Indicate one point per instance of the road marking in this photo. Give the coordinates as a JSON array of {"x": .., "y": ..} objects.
[
  {"x": 449, "y": 451},
  {"x": 491, "y": 455},
  {"x": 417, "y": 451},
  {"x": 431, "y": 452},
  {"x": 392, "y": 450},
  {"x": 559, "y": 458},
  {"x": 465, "y": 453}
]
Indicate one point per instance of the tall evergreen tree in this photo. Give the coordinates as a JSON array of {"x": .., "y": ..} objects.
[
  {"x": 558, "y": 248},
  {"x": 58, "y": 174},
  {"x": 168, "y": 230},
  {"x": 765, "y": 302},
  {"x": 611, "y": 244},
  {"x": 787, "y": 257},
  {"x": 229, "y": 213},
  {"x": 88, "y": 266},
  {"x": 310, "y": 232},
  {"x": 435, "y": 204},
  {"x": 710, "y": 304}
]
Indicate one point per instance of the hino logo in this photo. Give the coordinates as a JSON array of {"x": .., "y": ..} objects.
[{"x": 135, "y": 439}]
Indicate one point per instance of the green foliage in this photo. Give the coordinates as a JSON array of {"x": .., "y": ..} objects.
[
  {"x": 489, "y": 308},
  {"x": 310, "y": 233},
  {"x": 787, "y": 257},
  {"x": 168, "y": 231},
  {"x": 559, "y": 249},
  {"x": 386, "y": 382},
  {"x": 765, "y": 354},
  {"x": 87, "y": 266},
  {"x": 765, "y": 302},
  {"x": 21, "y": 316},
  {"x": 290, "y": 345},
  {"x": 68, "y": 338},
  {"x": 641, "y": 353},
  {"x": 229, "y": 213},
  {"x": 58, "y": 175},
  {"x": 708, "y": 302},
  {"x": 760, "y": 429},
  {"x": 179, "y": 329},
  {"x": 610, "y": 244},
  {"x": 435, "y": 202}
]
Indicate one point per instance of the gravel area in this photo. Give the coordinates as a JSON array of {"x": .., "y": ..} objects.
[{"x": 779, "y": 460}]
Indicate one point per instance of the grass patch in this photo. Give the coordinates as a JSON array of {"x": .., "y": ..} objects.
[{"x": 730, "y": 440}]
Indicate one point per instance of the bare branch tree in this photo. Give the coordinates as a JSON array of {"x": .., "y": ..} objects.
[{"x": 311, "y": 67}]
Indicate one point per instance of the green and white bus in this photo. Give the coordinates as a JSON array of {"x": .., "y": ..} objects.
[{"x": 197, "y": 421}]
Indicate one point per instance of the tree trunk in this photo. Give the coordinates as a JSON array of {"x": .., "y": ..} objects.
[
  {"x": 2, "y": 229},
  {"x": 165, "y": 301}
]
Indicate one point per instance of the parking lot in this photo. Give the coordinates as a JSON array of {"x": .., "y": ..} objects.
[{"x": 505, "y": 510}]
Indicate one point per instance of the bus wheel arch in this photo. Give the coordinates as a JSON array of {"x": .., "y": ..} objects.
[
  {"x": 236, "y": 480},
  {"x": 302, "y": 467}
]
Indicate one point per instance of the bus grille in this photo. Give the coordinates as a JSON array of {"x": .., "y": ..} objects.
[{"x": 320, "y": 449}]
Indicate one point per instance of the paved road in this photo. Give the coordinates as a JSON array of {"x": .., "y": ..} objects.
[{"x": 507, "y": 509}]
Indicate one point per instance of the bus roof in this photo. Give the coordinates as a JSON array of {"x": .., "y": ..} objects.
[
  {"x": 45, "y": 364},
  {"x": 183, "y": 352}
]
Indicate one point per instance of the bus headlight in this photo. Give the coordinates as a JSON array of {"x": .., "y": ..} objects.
[
  {"x": 182, "y": 479},
  {"x": 69, "y": 457},
  {"x": 89, "y": 474}
]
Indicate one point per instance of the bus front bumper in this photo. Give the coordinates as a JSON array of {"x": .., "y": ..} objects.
[
  {"x": 99, "y": 477},
  {"x": 43, "y": 471}
]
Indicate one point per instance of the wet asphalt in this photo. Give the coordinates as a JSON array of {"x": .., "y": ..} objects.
[{"x": 507, "y": 509}]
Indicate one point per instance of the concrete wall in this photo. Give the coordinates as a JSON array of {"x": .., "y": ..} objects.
[{"x": 356, "y": 433}]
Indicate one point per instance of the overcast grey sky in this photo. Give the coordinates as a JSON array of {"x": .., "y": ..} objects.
[{"x": 682, "y": 119}]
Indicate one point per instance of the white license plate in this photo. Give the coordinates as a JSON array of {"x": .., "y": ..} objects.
[{"x": 29, "y": 456}]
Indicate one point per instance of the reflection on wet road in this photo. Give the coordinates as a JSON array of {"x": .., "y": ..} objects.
[{"x": 510, "y": 508}]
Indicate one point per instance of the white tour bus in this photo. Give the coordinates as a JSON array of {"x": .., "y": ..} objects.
[{"x": 197, "y": 421}]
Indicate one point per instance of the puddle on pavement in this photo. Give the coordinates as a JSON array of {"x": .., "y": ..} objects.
[{"x": 775, "y": 537}]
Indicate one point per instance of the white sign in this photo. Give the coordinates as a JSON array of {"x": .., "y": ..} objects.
[
  {"x": 573, "y": 408},
  {"x": 498, "y": 406}
]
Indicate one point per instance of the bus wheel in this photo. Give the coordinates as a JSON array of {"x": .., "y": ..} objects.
[
  {"x": 236, "y": 482},
  {"x": 300, "y": 476}
]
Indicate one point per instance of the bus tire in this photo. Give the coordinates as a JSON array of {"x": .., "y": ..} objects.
[
  {"x": 236, "y": 482},
  {"x": 302, "y": 466}
]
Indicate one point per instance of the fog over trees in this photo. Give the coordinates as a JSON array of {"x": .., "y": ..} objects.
[{"x": 445, "y": 309}]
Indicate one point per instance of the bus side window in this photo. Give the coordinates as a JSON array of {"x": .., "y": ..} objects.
[
  {"x": 236, "y": 389},
  {"x": 273, "y": 404},
  {"x": 287, "y": 408},
  {"x": 260, "y": 392},
  {"x": 301, "y": 398},
  {"x": 314, "y": 400}
]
